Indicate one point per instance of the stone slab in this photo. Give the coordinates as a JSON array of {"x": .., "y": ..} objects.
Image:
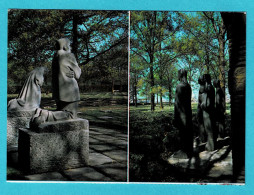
[
  {"x": 115, "y": 134},
  {"x": 104, "y": 137},
  {"x": 51, "y": 176},
  {"x": 99, "y": 159},
  {"x": 116, "y": 171},
  {"x": 121, "y": 136},
  {"x": 103, "y": 130},
  {"x": 111, "y": 140},
  {"x": 95, "y": 133},
  {"x": 118, "y": 155},
  {"x": 52, "y": 151},
  {"x": 86, "y": 174},
  {"x": 94, "y": 141},
  {"x": 118, "y": 143},
  {"x": 102, "y": 147},
  {"x": 123, "y": 147}
]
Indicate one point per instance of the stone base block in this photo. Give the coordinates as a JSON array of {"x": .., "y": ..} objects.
[
  {"x": 16, "y": 120},
  {"x": 54, "y": 146}
]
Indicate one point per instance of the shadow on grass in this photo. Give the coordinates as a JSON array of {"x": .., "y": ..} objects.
[{"x": 153, "y": 136}]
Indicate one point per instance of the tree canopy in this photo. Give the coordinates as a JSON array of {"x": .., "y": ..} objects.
[
  {"x": 165, "y": 42},
  {"x": 99, "y": 41}
]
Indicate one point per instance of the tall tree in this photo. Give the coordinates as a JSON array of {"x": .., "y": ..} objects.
[
  {"x": 207, "y": 32},
  {"x": 148, "y": 30},
  {"x": 220, "y": 33}
]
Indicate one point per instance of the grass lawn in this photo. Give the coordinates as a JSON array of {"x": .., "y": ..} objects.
[
  {"x": 167, "y": 108},
  {"x": 100, "y": 108}
]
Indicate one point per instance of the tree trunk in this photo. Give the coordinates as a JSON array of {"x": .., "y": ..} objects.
[
  {"x": 121, "y": 85},
  {"x": 136, "y": 96},
  {"x": 112, "y": 87},
  {"x": 133, "y": 95},
  {"x": 161, "y": 102},
  {"x": 75, "y": 34},
  {"x": 236, "y": 30},
  {"x": 169, "y": 96},
  {"x": 151, "y": 56},
  {"x": 152, "y": 83},
  {"x": 222, "y": 63},
  {"x": 169, "y": 92}
]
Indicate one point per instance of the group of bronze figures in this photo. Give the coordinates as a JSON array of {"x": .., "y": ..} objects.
[{"x": 210, "y": 112}]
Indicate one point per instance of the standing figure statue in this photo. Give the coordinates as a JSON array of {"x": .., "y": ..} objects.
[
  {"x": 30, "y": 96},
  {"x": 65, "y": 71},
  {"x": 207, "y": 106},
  {"x": 219, "y": 109},
  {"x": 202, "y": 133},
  {"x": 183, "y": 113}
]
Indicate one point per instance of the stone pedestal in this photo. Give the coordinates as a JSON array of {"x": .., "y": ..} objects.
[
  {"x": 54, "y": 146},
  {"x": 16, "y": 120}
]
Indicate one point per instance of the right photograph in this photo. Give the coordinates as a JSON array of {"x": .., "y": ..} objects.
[{"x": 187, "y": 97}]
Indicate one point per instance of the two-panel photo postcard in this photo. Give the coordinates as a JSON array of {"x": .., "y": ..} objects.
[{"x": 127, "y": 97}]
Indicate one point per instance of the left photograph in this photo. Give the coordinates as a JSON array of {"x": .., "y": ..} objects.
[{"x": 67, "y": 106}]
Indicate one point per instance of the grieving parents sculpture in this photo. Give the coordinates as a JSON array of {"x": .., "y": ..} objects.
[
  {"x": 30, "y": 96},
  {"x": 53, "y": 142},
  {"x": 183, "y": 113},
  {"x": 207, "y": 106},
  {"x": 65, "y": 71},
  {"x": 219, "y": 108}
]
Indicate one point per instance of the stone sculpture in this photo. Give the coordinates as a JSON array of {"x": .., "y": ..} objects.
[
  {"x": 65, "y": 71},
  {"x": 207, "y": 106},
  {"x": 183, "y": 113},
  {"x": 30, "y": 96},
  {"x": 53, "y": 141},
  {"x": 219, "y": 108}
]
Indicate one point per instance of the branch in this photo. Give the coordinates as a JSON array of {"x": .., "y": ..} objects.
[
  {"x": 103, "y": 52},
  {"x": 140, "y": 56}
]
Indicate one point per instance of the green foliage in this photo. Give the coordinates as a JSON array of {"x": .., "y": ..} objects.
[
  {"x": 151, "y": 32},
  {"x": 203, "y": 44},
  {"x": 11, "y": 87},
  {"x": 99, "y": 41},
  {"x": 151, "y": 134},
  {"x": 168, "y": 41}
]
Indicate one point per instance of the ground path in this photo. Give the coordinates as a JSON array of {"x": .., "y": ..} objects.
[
  {"x": 210, "y": 167},
  {"x": 107, "y": 160}
]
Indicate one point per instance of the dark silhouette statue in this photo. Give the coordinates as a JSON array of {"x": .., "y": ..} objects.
[
  {"x": 207, "y": 106},
  {"x": 183, "y": 113},
  {"x": 219, "y": 109},
  {"x": 65, "y": 71},
  {"x": 202, "y": 133}
]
